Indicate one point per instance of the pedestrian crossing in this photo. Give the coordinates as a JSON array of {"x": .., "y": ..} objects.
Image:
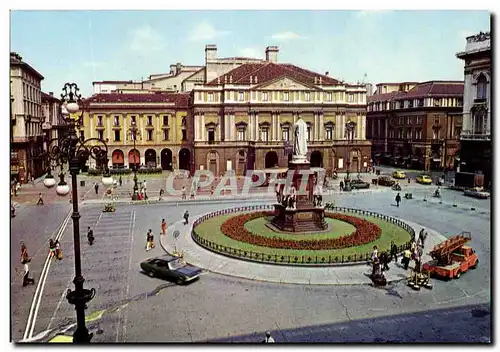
[{"x": 104, "y": 266}]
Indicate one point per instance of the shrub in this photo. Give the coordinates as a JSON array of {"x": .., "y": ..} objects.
[{"x": 365, "y": 232}]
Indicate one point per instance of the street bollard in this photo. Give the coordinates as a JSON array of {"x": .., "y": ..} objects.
[
  {"x": 425, "y": 197},
  {"x": 472, "y": 207},
  {"x": 454, "y": 202}
]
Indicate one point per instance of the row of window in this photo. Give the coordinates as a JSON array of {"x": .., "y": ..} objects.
[
  {"x": 405, "y": 104},
  {"x": 287, "y": 96},
  {"x": 264, "y": 133},
  {"x": 418, "y": 133},
  {"x": 31, "y": 93},
  {"x": 149, "y": 135},
  {"x": 133, "y": 119},
  {"x": 32, "y": 109}
]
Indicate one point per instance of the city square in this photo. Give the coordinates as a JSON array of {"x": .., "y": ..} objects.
[{"x": 251, "y": 200}]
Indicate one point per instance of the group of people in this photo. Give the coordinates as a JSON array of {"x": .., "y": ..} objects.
[
  {"x": 287, "y": 199},
  {"x": 55, "y": 250}
]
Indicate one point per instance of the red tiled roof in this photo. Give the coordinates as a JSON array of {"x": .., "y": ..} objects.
[
  {"x": 46, "y": 96},
  {"x": 269, "y": 71},
  {"x": 436, "y": 88},
  {"x": 181, "y": 100},
  {"x": 382, "y": 97},
  {"x": 422, "y": 90}
]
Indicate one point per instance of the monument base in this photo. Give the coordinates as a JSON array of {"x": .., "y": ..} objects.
[{"x": 303, "y": 219}]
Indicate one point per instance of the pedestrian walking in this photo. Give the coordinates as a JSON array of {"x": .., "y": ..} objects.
[
  {"x": 421, "y": 237},
  {"x": 144, "y": 186},
  {"x": 161, "y": 194},
  {"x": 26, "y": 279},
  {"x": 163, "y": 227},
  {"x": 90, "y": 236},
  {"x": 186, "y": 217},
  {"x": 96, "y": 187},
  {"x": 374, "y": 253},
  {"x": 40, "y": 199},
  {"x": 183, "y": 194},
  {"x": 58, "y": 252},
  {"x": 384, "y": 260},
  {"x": 268, "y": 338},
  {"x": 120, "y": 181},
  {"x": 148, "y": 240},
  {"x": 398, "y": 199},
  {"x": 52, "y": 248},
  {"x": 375, "y": 267},
  {"x": 394, "y": 252},
  {"x": 406, "y": 258},
  {"x": 341, "y": 185}
]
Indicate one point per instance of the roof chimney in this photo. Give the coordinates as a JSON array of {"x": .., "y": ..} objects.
[
  {"x": 255, "y": 79},
  {"x": 327, "y": 73},
  {"x": 315, "y": 80},
  {"x": 250, "y": 79},
  {"x": 225, "y": 78},
  {"x": 51, "y": 94},
  {"x": 320, "y": 80},
  {"x": 210, "y": 52},
  {"x": 272, "y": 54},
  {"x": 231, "y": 79},
  {"x": 218, "y": 80}
]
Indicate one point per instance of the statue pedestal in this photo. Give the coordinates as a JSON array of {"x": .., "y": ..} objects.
[{"x": 304, "y": 217}]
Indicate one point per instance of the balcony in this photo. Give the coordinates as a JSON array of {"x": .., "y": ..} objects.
[{"x": 476, "y": 137}]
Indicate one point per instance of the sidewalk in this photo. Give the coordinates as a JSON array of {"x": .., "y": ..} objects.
[{"x": 325, "y": 275}]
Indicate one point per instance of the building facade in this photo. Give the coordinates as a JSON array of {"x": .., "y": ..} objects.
[
  {"x": 53, "y": 125},
  {"x": 416, "y": 125},
  {"x": 26, "y": 121},
  {"x": 237, "y": 114},
  {"x": 164, "y": 129},
  {"x": 475, "y": 139},
  {"x": 244, "y": 117}
]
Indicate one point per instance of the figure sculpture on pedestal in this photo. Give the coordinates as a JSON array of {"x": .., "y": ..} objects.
[{"x": 300, "y": 142}]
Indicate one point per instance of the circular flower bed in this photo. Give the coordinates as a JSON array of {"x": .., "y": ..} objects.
[{"x": 366, "y": 232}]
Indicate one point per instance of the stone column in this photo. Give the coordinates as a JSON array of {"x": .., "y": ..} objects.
[
  {"x": 250, "y": 126},
  {"x": 203, "y": 136},
  {"x": 196, "y": 128},
  {"x": 232, "y": 128},
  {"x": 278, "y": 135},
  {"x": 219, "y": 126},
  {"x": 321, "y": 127},
  {"x": 343, "y": 126},
  {"x": 108, "y": 127},
  {"x": 294, "y": 115},
  {"x": 257, "y": 131},
  {"x": 363, "y": 129},
  {"x": 91, "y": 126},
  {"x": 273, "y": 126},
  {"x": 226, "y": 119}
]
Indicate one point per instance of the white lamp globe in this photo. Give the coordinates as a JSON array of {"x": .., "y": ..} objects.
[
  {"x": 72, "y": 107},
  {"x": 107, "y": 181},
  {"x": 49, "y": 181},
  {"x": 62, "y": 190},
  {"x": 64, "y": 111}
]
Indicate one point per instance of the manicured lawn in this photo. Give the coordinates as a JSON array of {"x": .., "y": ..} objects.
[
  {"x": 210, "y": 230},
  {"x": 337, "y": 229}
]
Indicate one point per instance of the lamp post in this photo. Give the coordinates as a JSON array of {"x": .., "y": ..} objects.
[
  {"x": 73, "y": 151},
  {"x": 133, "y": 133}
]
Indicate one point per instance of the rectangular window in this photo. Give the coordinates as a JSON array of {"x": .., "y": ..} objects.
[
  {"x": 264, "y": 135},
  {"x": 165, "y": 120},
  {"x": 165, "y": 134},
  {"x": 117, "y": 135},
  {"x": 132, "y": 119},
  {"x": 184, "y": 135},
  {"x": 100, "y": 134},
  {"x": 286, "y": 134},
  {"x": 328, "y": 96},
  {"x": 400, "y": 121},
  {"x": 99, "y": 121},
  {"x": 241, "y": 134},
  {"x": 329, "y": 133},
  {"x": 116, "y": 121},
  {"x": 211, "y": 135},
  {"x": 286, "y": 96},
  {"x": 210, "y": 97},
  {"x": 240, "y": 96},
  {"x": 150, "y": 120},
  {"x": 308, "y": 96},
  {"x": 419, "y": 120},
  {"x": 265, "y": 96},
  {"x": 308, "y": 133},
  {"x": 150, "y": 135},
  {"x": 436, "y": 119}
]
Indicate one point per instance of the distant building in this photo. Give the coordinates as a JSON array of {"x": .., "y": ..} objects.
[
  {"x": 415, "y": 125},
  {"x": 475, "y": 139},
  {"x": 26, "y": 120}
]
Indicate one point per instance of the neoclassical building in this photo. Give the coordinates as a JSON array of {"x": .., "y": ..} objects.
[
  {"x": 416, "y": 125},
  {"x": 475, "y": 140},
  {"x": 163, "y": 126},
  {"x": 244, "y": 117},
  {"x": 232, "y": 113}
]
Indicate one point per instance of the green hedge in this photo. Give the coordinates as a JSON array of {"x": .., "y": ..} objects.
[{"x": 153, "y": 170}]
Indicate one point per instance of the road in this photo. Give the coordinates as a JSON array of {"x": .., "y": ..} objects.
[{"x": 136, "y": 308}]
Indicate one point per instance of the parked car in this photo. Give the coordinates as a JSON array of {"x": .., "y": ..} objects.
[
  {"x": 424, "y": 179},
  {"x": 476, "y": 192},
  {"x": 171, "y": 267},
  {"x": 386, "y": 181},
  {"x": 357, "y": 184},
  {"x": 399, "y": 175}
]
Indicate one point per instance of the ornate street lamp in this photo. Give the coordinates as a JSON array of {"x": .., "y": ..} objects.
[
  {"x": 350, "y": 138},
  {"x": 73, "y": 151},
  {"x": 133, "y": 134}
]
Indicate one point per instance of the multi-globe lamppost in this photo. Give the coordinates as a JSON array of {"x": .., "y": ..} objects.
[
  {"x": 73, "y": 151},
  {"x": 133, "y": 134}
]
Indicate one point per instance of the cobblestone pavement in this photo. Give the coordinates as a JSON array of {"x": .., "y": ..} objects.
[{"x": 131, "y": 307}]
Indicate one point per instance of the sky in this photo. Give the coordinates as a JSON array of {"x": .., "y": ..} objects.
[{"x": 387, "y": 46}]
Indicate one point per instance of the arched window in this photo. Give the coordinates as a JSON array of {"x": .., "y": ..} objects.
[{"x": 481, "y": 87}]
